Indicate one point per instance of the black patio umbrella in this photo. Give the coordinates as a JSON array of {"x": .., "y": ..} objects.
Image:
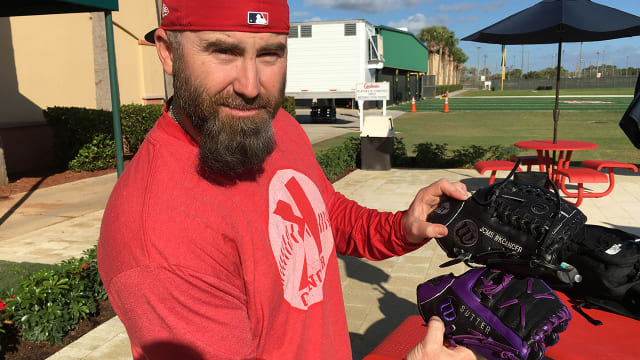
[{"x": 558, "y": 21}]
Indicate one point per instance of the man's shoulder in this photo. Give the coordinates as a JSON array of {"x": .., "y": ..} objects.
[{"x": 283, "y": 117}]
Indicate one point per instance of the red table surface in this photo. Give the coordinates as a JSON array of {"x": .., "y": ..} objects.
[
  {"x": 560, "y": 145},
  {"x": 615, "y": 339}
]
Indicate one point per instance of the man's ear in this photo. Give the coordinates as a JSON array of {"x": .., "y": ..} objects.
[{"x": 165, "y": 53}]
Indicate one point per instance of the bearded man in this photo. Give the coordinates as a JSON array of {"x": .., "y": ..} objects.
[{"x": 219, "y": 240}]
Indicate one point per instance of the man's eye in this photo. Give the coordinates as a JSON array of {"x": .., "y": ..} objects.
[{"x": 271, "y": 55}]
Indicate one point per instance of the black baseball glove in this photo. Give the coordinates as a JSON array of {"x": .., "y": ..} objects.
[
  {"x": 609, "y": 262},
  {"x": 516, "y": 226},
  {"x": 495, "y": 314}
]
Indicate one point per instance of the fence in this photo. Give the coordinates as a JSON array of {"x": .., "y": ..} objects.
[
  {"x": 566, "y": 83},
  {"x": 428, "y": 85}
]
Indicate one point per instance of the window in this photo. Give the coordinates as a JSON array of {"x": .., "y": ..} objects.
[
  {"x": 349, "y": 29},
  {"x": 293, "y": 31},
  {"x": 375, "y": 51},
  {"x": 305, "y": 31}
]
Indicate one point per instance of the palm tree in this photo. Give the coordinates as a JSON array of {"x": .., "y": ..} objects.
[
  {"x": 459, "y": 57},
  {"x": 434, "y": 36},
  {"x": 449, "y": 43}
]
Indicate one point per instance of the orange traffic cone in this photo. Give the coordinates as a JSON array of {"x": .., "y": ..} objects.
[
  {"x": 413, "y": 104},
  {"x": 446, "y": 103}
]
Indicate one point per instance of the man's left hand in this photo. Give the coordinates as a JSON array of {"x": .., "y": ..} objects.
[{"x": 414, "y": 223}]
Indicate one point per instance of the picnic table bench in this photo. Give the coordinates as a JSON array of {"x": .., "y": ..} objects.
[
  {"x": 494, "y": 166},
  {"x": 590, "y": 173}
]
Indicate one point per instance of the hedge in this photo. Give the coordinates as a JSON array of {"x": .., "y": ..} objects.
[
  {"x": 83, "y": 138},
  {"x": 340, "y": 159},
  {"x": 442, "y": 89},
  {"x": 49, "y": 303}
]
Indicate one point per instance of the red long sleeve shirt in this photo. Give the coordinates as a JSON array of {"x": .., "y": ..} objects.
[{"x": 197, "y": 270}]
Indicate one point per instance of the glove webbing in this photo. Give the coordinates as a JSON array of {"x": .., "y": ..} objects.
[{"x": 547, "y": 240}]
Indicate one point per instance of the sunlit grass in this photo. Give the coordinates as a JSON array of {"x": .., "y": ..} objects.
[{"x": 485, "y": 128}]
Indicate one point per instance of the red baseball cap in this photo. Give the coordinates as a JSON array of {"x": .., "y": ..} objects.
[{"x": 270, "y": 16}]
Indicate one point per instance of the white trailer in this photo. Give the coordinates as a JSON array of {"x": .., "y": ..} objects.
[{"x": 327, "y": 59}]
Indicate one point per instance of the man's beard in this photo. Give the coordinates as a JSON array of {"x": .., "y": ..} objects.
[{"x": 229, "y": 146}]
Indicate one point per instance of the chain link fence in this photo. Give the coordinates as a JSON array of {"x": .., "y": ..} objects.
[{"x": 550, "y": 83}]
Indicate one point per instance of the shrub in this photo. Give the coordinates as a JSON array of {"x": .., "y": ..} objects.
[
  {"x": 77, "y": 130},
  {"x": 339, "y": 159},
  {"x": 73, "y": 128},
  {"x": 499, "y": 152},
  {"x": 50, "y": 302},
  {"x": 399, "y": 157},
  {"x": 442, "y": 89},
  {"x": 3, "y": 336},
  {"x": 468, "y": 155},
  {"x": 137, "y": 120},
  {"x": 289, "y": 105},
  {"x": 429, "y": 155},
  {"x": 98, "y": 155}
]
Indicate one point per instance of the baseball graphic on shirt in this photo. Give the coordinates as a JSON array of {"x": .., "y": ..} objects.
[{"x": 300, "y": 236}]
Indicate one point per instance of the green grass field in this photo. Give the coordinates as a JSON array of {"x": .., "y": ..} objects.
[
  {"x": 485, "y": 128},
  {"x": 11, "y": 273},
  {"x": 563, "y": 92},
  {"x": 616, "y": 104}
]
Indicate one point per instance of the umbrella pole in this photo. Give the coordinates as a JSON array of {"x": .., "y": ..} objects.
[{"x": 556, "y": 111}]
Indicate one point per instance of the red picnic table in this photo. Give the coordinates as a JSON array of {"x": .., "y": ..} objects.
[
  {"x": 564, "y": 149},
  {"x": 559, "y": 171}
]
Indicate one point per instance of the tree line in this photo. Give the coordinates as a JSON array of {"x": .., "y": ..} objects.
[
  {"x": 604, "y": 70},
  {"x": 442, "y": 42}
]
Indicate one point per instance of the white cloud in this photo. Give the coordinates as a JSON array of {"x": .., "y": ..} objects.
[
  {"x": 368, "y": 6},
  {"x": 468, "y": 6},
  {"x": 418, "y": 21},
  {"x": 315, "y": 18},
  {"x": 299, "y": 14}
]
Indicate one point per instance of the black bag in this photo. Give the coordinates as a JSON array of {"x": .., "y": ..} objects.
[
  {"x": 609, "y": 262},
  {"x": 630, "y": 122}
]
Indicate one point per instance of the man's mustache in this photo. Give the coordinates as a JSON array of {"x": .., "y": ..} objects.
[{"x": 239, "y": 103}]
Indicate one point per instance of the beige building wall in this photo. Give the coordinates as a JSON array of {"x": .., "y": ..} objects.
[
  {"x": 142, "y": 76},
  {"x": 49, "y": 63},
  {"x": 61, "y": 60}
]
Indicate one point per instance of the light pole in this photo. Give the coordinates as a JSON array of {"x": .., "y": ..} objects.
[
  {"x": 485, "y": 66},
  {"x": 627, "y": 71},
  {"x": 580, "y": 59},
  {"x": 597, "y": 63},
  {"x": 478, "y": 68},
  {"x": 522, "y": 62}
]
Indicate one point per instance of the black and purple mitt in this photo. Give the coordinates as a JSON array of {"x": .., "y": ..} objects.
[{"x": 495, "y": 314}]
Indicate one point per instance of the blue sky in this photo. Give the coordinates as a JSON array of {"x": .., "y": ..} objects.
[{"x": 465, "y": 17}]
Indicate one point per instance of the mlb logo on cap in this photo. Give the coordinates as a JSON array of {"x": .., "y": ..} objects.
[{"x": 258, "y": 18}]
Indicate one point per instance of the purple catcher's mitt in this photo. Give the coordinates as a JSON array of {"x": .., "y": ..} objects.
[{"x": 495, "y": 314}]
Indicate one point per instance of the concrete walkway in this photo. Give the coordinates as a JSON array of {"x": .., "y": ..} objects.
[{"x": 59, "y": 222}]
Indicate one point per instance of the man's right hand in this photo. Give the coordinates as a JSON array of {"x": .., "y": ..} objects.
[{"x": 432, "y": 347}]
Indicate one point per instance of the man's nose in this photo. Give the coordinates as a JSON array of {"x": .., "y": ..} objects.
[{"x": 246, "y": 83}]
